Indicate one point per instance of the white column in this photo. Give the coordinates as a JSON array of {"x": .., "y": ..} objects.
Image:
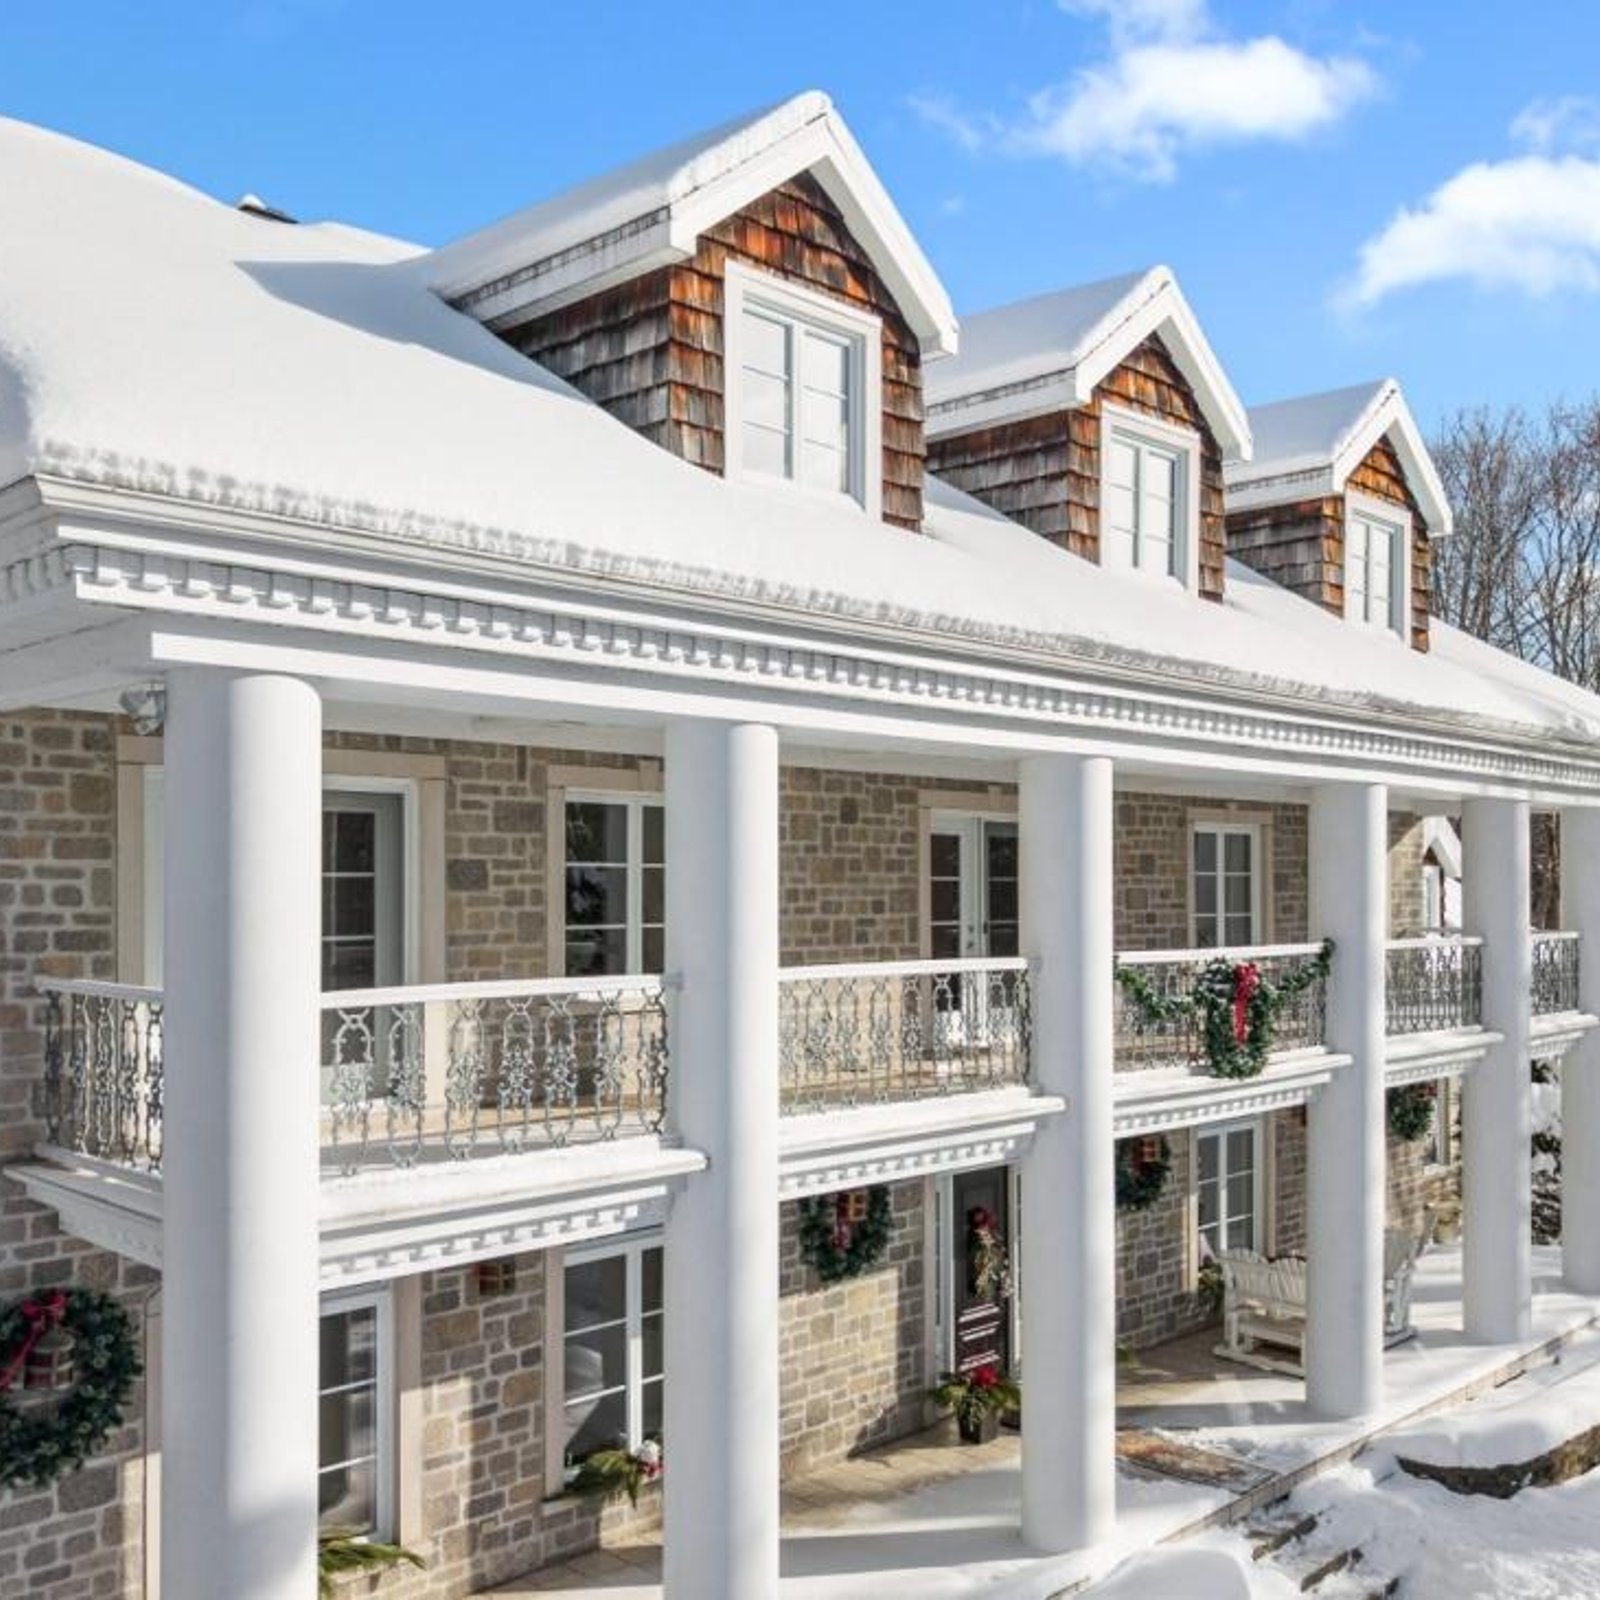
[
  {"x": 1346, "y": 1155},
  {"x": 721, "y": 1423},
  {"x": 1068, "y": 1203},
  {"x": 1580, "y": 1072},
  {"x": 1496, "y": 1101},
  {"x": 239, "y": 1180}
]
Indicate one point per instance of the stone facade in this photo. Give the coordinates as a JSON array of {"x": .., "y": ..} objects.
[
  {"x": 853, "y": 1355},
  {"x": 1156, "y": 1297}
]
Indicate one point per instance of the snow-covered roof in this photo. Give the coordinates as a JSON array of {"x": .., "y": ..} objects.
[
  {"x": 1051, "y": 351},
  {"x": 651, "y": 212},
  {"x": 1311, "y": 444},
  {"x": 155, "y": 340}
]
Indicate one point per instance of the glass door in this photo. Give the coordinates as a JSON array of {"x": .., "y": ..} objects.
[{"x": 972, "y": 912}]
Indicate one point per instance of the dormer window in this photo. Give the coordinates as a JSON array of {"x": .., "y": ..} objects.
[
  {"x": 1376, "y": 541},
  {"x": 803, "y": 389},
  {"x": 1149, "y": 511}
]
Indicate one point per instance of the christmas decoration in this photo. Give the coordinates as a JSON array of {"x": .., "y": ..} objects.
[
  {"x": 988, "y": 1258},
  {"x": 612, "y": 1472},
  {"x": 1411, "y": 1111},
  {"x": 1142, "y": 1169},
  {"x": 844, "y": 1234},
  {"x": 976, "y": 1400},
  {"x": 1236, "y": 1003},
  {"x": 73, "y": 1350}
]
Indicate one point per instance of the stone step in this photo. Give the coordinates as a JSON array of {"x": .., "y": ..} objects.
[
  {"x": 1275, "y": 1528},
  {"x": 1354, "y": 1583},
  {"x": 1309, "y": 1565}
]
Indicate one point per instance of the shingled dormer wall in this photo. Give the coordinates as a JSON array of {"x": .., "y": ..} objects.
[
  {"x": 1045, "y": 472},
  {"x": 650, "y": 351},
  {"x": 1300, "y": 545}
]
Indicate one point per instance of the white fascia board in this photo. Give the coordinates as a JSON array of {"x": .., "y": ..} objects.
[
  {"x": 1160, "y": 1101},
  {"x": 1311, "y": 481},
  {"x": 1012, "y": 402},
  {"x": 1446, "y": 1053}
]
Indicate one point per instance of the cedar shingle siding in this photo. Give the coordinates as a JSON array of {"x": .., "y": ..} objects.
[
  {"x": 1045, "y": 472},
  {"x": 1301, "y": 545},
  {"x": 650, "y": 351}
]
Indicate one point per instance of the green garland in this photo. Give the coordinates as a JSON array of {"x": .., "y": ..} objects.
[
  {"x": 1411, "y": 1111},
  {"x": 39, "y": 1445},
  {"x": 1141, "y": 1178},
  {"x": 1212, "y": 1000},
  {"x": 839, "y": 1253}
]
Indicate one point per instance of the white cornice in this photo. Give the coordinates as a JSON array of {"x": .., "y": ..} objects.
[
  {"x": 1447, "y": 1053},
  {"x": 251, "y": 572},
  {"x": 1160, "y": 1101},
  {"x": 1556, "y": 1032}
]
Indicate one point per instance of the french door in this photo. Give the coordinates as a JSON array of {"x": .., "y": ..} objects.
[{"x": 972, "y": 912}]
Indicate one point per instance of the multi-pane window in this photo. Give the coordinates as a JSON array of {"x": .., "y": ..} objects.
[
  {"x": 612, "y": 1351},
  {"x": 1373, "y": 569},
  {"x": 615, "y": 886},
  {"x": 798, "y": 392},
  {"x": 1142, "y": 507},
  {"x": 352, "y": 1425},
  {"x": 1227, "y": 1189},
  {"x": 361, "y": 907},
  {"x": 1226, "y": 892}
]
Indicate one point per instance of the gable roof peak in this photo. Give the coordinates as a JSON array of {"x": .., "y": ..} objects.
[{"x": 650, "y": 212}]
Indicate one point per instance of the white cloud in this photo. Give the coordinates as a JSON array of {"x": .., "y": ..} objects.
[
  {"x": 1529, "y": 222},
  {"x": 1569, "y": 122},
  {"x": 1169, "y": 83}
]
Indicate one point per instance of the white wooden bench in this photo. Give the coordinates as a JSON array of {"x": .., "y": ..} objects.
[{"x": 1264, "y": 1303}]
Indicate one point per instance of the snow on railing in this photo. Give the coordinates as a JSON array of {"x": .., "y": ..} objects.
[
  {"x": 877, "y": 1032},
  {"x": 1434, "y": 983}
]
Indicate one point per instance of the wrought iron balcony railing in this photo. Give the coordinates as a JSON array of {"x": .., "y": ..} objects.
[
  {"x": 1144, "y": 1043},
  {"x": 104, "y": 1066},
  {"x": 1434, "y": 984},
  {"x": 1555, "y": 973},
  {"x": 410, "y": 1074},
  {"x": 908, "y": 1030}
]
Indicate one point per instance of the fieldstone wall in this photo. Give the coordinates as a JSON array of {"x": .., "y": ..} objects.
[
  {"x": 82, "y": 1535},
  {"x": 1406, "y": 910},
  {"x": 853, "y": 1355},
  {"x": 1410, "y": 1187},
  {"x": 1286, "y": 1131},
  {"x": 1155, "y": 1299}
]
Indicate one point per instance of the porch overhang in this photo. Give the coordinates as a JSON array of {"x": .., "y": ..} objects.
[
  {"x": 1159, "y": 1102},
  {"x": 1554, "y": 1033},
  {"x": 380, "y": 1225},
  {"x": 1447, "y": 1053},
  {"x": 849, "y": 1148}
]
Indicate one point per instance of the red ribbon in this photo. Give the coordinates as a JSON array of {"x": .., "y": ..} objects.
[
  {"x": 41, "y": 1317},
  {"x": 1246, "y": 982}
]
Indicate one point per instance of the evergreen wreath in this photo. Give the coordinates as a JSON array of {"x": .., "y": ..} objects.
[
  {"x": 1411, "y": 1111},
  {"x": 841, "y": 1245},
  {"x": 39, "y": 1445},
  {"x": 1237, "y": 1005},
  {"x": 1143, "y": 1165}
]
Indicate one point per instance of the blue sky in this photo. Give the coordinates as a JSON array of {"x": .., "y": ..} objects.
[{"x": 1345, "y": 189}]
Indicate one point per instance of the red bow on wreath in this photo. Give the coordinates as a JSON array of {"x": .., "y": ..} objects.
[
  {"x": 41, "y": 1317},
  {"x": 1246, "y": 985}
]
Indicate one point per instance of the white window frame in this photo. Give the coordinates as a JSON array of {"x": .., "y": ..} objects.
[
  {"x": 634, "y": 802},
  {"x": 1223, "y": 826},
  {"x": 632, "y": 1247},
  {"x": 1385, "y": 514},
  {"x": 745, "y": 289},
  {"x": 1134, "y": 427},
  {"x": 385, "y": 1396},
  {"x": 1257, "y": 1127}
]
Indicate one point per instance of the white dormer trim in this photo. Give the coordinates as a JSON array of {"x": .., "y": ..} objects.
[
  {"x": 1154, "y": 305},
  {"x": 1184, "y": 443},
  {"x": 1387, "y": 514},
  {"x": 1308, "y": 477},
  {"x": 529, "y": 265}
]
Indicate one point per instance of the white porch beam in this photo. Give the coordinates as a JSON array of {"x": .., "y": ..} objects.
[
  {"x": 1496, "y": 1101},
  {"x": 721, "y": 1279},
  {"x": 1580, "y": 1072},
  {"x": 1069, "y": 1223},
  {"x": 240, "y": 1179},
  {"x": 1346, "y": 1175}
]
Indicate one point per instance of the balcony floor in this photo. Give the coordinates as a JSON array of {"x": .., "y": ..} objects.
[{"x": 929, "y": 1518}]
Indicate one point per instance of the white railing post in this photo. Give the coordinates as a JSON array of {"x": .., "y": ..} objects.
[
  {"x": 1346, "y": 1157},
  {"x": 240, "y": 1234},
  {"x": 1496, "y": 1101},
  {"x": 721, "y": 1268},
  {"x": 1580, "y": 1072},
  {"x": 1069, "y": 1228}
]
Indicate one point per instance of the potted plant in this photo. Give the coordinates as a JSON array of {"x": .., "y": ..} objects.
[
  {"x": 340, "y": 1551},
  {"x": 976, "y": 1400},
  {"x": 608, "y": 1473}
]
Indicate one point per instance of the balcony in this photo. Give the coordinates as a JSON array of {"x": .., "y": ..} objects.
[
  {"x": 1145, "y": 1044},
  {"x": 1555, "y": 973},
  {"x": 1433, "y": 985},
  {"x": 410, "y": 1075},
  {"x": 876, "y": 1033}
]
